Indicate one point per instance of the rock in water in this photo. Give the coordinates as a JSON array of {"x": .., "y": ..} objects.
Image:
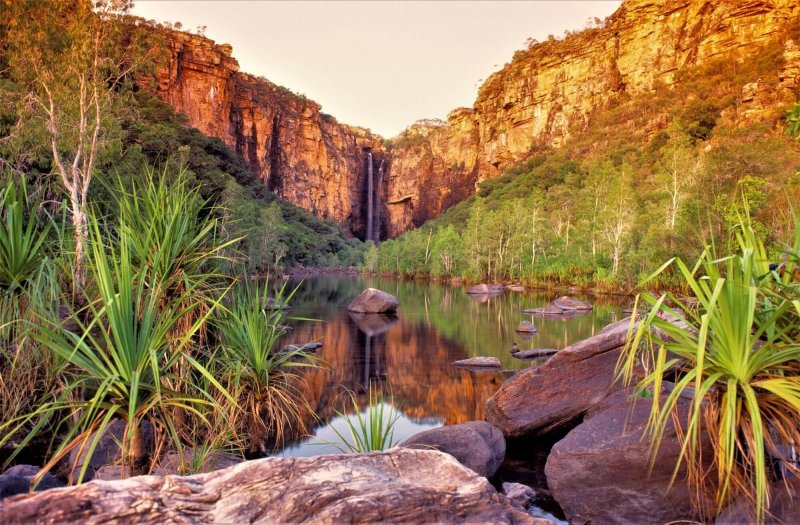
[
  {"x": 399, "y": 485},
  {"x": 373, "y": 301},
  {"x": 475, "y": 444},
  {"x": 534, "y": 353},
  {"x": 485, "y": 289},
  {"x": 568, "y": 303},
  {"x": 17, "y": 480},
  {"x": 478, "y": 362},
  {"x": 526, "y": 327},
  {"x": 558, "y": 392},
  {"x": 599, "y": 472},
  {"x": 519, "y": 493}
]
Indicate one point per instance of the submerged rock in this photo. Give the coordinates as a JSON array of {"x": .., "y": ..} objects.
[
  {"x": 558, "y": 392},
  {"x": 485, "y": 289},
  {"x": 475, "y": 444},
  {"x": 373, "y": 301},
  {"x": 399, "y": 485},
  {"x": 478, "y": 362},
  {"x": 534, "y": 353},
  {"x": 526, "y": 327},
  {"x": 18, "y": 479},
  {"x": 519, "y": 493},
  {"x": 599, "y": 472}
]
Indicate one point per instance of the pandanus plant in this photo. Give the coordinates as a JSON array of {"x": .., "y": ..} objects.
[
  {"x": 263, "y": 376},
  {"x": 734, "y": 351}
]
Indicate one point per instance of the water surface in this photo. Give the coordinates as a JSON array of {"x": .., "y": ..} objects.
[{"x": 409, "y": 356}]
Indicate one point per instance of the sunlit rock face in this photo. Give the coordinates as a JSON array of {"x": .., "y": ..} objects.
[
  {"x": 549, "y": 92},
  {"x": 300, "y": 153},
  {"x": 544, "y": 96}
]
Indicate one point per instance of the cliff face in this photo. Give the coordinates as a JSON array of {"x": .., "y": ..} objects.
[
  {"x": 300, "y": 153},
  {"x": 545, "y": 95},
  {"x": 549, "y": 92}
]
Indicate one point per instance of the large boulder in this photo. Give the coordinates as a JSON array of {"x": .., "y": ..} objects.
[
  {"x": 373, "y": 301},
  {"x": 560, "y": 391},
  {"x": 18, "y": 480},
  {"x": 399, "y": 485},
  {"x": 485, "y": 289},
  {"x": 475, "y": 444},
  {"x": 599, "y": 472}
]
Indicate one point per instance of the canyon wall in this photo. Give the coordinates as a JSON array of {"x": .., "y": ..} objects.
[
  {"x": 545, "y": 95},
  {"x": 548, "y": 93},
  {"x": 300, "y": 153}
]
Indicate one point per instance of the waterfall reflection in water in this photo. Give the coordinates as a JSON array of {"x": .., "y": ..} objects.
[{"x": 408, "y": 356}]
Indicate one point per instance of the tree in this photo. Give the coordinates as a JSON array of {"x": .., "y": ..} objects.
[
  {"x": 619, "y": 214},
  {"x": 676, "y": 173},
  {"x": 70, "y": 58}
]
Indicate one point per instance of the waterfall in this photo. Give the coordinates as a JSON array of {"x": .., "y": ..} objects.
[{"x": 370, "y": 197}]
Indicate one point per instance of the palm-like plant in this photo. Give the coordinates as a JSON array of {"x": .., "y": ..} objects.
[
  {"x": 121, "y": 363},
  {"x": 737, "y": 356},
  {"x": 370, "y": 428},
  {"x": 263, "y": 376},
  {"x": 21, "y": 242}
]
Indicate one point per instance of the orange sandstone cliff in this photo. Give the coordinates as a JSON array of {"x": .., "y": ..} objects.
[{"x": 544, "y": 96}]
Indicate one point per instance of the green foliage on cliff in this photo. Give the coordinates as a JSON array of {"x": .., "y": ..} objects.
[{"x": 623, "y": 194}]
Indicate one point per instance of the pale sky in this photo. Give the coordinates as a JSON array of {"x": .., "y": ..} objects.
[{"x": 379, "y": 64}]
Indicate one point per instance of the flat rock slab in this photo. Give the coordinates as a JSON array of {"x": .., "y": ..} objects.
[
  {"x": 374, "y": 301},
  {"x": 485, "y": 289},
  {"x": 478, "y": 362},
  {"x": 475, "y": 444},
  {"x": 534, "y": 353},
  {"x": 568, "y": 303},
  {"x": 399, "y": 485},
  {"x": 559, "y": 391}
]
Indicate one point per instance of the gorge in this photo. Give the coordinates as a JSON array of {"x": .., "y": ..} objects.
[{"x": 543, "y": 97}]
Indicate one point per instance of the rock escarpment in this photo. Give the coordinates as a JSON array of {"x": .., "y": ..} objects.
[
  {"x": 299, "y": 152},
  {"x": 400, "y": 485},
  {"x": 545, "y": 95},
  {"x": 549, "y": 92}
]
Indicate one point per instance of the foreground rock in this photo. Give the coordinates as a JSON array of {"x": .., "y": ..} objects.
[
  {"x": 400, "y": 485},
  {"x": 18, "y": 479},
  {"x": 373, "y": 301},
  {"x": 485, "y": 289},
  {"x": 475, "y": 444},
  {"x": 478, "y": 362},
  {"x": 558, "y": 392},
  {"x": 599, "y": 472}
]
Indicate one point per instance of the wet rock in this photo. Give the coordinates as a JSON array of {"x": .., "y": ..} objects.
[
  {"x": 534, "y": 353},
  {"x": 515, "y": 288},
  {"x": 784, "y": 506},
  {"x": 475, "y": 444},
  {"x": 485, "y": 289},
  {"x": 18, "y": 479},
  {"x": 558, "y": 392},
  {"x": 519, "y": 493},
  {"x": 399, "y": 485},
  {"x": 373, "y": 301},
  {"x": 478, "y": 362},
  {"x": 568, "y": 303},
  {"x": 194, "y": 464},
  {"x": 526, "y": 327},
  {"x": 599, "y": 472}
]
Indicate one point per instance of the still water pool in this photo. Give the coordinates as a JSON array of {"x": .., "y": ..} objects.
[{"x": 409, "y": 356}]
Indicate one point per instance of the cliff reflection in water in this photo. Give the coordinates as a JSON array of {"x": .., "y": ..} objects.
[{"x": 408, "y": 355}]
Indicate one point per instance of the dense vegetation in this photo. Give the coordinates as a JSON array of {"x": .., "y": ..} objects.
[{"x": 657, "y": 175}]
